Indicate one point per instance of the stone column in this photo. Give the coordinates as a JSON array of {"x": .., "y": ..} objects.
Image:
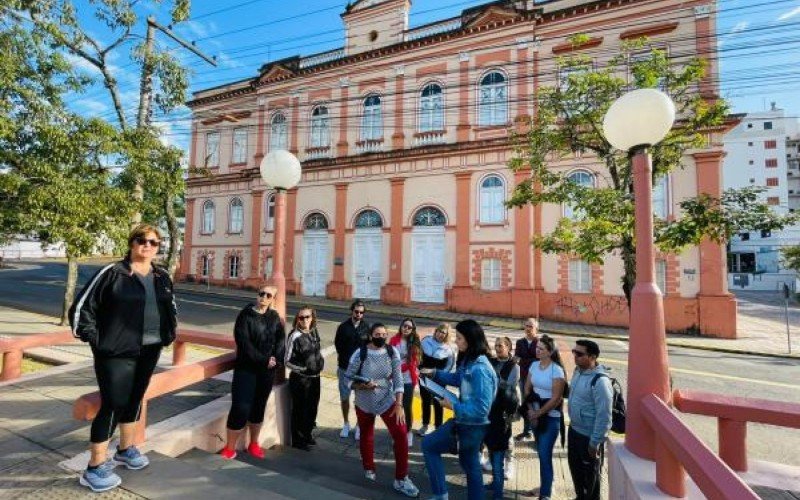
[
  {"x": 394, "y": 291},
  {"x": 524, "y": 300},
  {"x": 254, "y": 277},
  {"x": 398, "y": 137},
  {"x": 292, "y": 285},
  {"x": 337, "y": 288},
  {"x": 463, "y": 127}
]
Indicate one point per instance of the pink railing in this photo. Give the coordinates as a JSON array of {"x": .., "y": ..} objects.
[
  {"x": 678, "y": 451},
  {"x": 12, "y": 349}
]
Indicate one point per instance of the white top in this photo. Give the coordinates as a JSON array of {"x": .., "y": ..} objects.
[
  {"x": 403, "y": 348},
  {"x": 542, "y": 382}
]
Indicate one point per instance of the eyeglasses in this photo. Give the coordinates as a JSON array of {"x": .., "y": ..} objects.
[
  {"x": 265, "y": 294},
  {"x": 305, "y": 316},
  {"x": 360, "y": 313},
  {"x": 578, "y": 354},
  {"x": 141, "y": 240},
  {"x": 408, "y": 327}
]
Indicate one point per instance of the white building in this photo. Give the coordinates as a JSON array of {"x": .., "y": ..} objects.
[
  {"x": 763, "y": 151},
  {"x": 29, "y": 247}
]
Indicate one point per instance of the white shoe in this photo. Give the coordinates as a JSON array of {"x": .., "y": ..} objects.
[
  {"x": 370, "y": 474},
  {"x": 357, "y": 434},
  {"x": 406, "y": 487},
  {"x": 508, "y": 470},
  {"x": 410, "y": 439},
  {"x": 422, "y": 430},
  {"x": 487, "y": 466},
  {"x": 345, "y": 431}
]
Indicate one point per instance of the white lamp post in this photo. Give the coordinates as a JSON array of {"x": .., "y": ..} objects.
[
  {"x": 633, "y": 123},
  {"x": 281, "y": 170}
]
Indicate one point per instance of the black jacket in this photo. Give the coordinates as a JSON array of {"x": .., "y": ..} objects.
[
  {"x": 258, "y": 338},
  {"x": 109, "y": 312},
  {"x": 348, "y": 339},
  {"x": 303, "y": 354}
]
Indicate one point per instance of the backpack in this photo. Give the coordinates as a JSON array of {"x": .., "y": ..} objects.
[
  {"x": 506, "y": 400},
  {"x": 617, "y": 404},
  {"x": 362, "y": 355}
]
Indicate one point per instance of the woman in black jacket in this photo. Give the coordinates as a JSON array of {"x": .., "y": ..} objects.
[
  {"x": 260, "y": 337},
  {"x": 304, "y": 359},
  {"x": 126, "y": 312}
]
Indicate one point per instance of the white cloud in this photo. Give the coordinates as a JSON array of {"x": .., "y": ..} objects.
[
  {"x": 789, "y": 14},
  {"x": 740, "y": 26},
  {"x": 92, "y": 107},
  {"x": 226, "y": 61},
  {"x": 200, "y": 30}
]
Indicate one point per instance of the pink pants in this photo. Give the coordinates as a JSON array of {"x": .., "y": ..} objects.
[{"x": 366, "y": 425}]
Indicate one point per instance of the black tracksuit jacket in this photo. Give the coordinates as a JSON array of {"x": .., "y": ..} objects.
[{"x": 258, "y": 338}]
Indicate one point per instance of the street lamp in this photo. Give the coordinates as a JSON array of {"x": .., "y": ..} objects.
[
  {"x": 281, "y": 170},
  {"x": 633, "y": 123}
]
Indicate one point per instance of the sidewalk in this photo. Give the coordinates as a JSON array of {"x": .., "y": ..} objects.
[{"x": 761, "y": 331}]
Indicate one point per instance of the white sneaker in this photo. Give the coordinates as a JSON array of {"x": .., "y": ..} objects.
[
  {"x": 406, "y": 487},
  {"x": 508, "y": 470},
  {"x": 345, "y": 431},
  {"x": 487, "y": 466},
  {"x": 410, "y": 439},
  {"x": 370, "y": 474},
  {"x": 422, "y": 430},
  {"x": 358, "y": 433}
]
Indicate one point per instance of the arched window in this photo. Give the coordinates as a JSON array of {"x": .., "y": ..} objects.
[
  {"x": 236, "y": 216},
  {"x": 493, "y": 100},
  {"x": 431, "y": 108},
  {"x": 492, "y": 200},
  {"x": 429, "y": 216},
  {"x": 208, "y": 217},
  {"x": 316, "y": 221},
  {"x": 369, "y": 218},
  {"x": 233, "y": 266},
  {"x": 279, "y": 133},
  {"x": 320, "y": 128},
  {"x": 581, "y": 178},
  {"x": 372, "y": 121},
  {"x": 270, "y": 213}
]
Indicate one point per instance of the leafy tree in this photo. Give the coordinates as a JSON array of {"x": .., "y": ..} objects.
[
  {"x": 791, "y": 257},
  {"x": 568, "y": 124}
]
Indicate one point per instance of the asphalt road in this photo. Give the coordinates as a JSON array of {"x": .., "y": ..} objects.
[{"x": 38, "y": 287}]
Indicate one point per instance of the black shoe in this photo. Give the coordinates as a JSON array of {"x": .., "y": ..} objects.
[
  {"x": 301, "y": 446},
  {"x": 522, "y": 436}
]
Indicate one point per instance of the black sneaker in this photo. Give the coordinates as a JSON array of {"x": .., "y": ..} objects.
[{"x": 523, "y": 436}]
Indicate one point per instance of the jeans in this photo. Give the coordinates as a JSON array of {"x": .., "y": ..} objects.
[
  {"x": 545, "y": 441},
  {"x": 585, "y": 470},
  {"x": 469, "y": 445},
  {"x": 366, "y": 424},
  {"x": 498, "y": 473}
]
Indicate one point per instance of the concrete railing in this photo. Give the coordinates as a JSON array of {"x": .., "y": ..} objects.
[
  {"x": 733, "y": 414},
  {"x": 13, "y": 348},
  {"x": 679, "y": 450}
]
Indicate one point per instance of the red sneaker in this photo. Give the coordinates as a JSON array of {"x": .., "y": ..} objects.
[
  {"x": 227, "y": 453},
  {"x": 255, "y": 450}
]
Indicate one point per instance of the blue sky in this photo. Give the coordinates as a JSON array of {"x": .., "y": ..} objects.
[{"x": 759, "y": 42}]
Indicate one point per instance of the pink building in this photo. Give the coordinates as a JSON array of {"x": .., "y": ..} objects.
[{"x": 404, "y": 139}]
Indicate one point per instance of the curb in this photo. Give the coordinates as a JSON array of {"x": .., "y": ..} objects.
[{"x": 504, "y": 323}]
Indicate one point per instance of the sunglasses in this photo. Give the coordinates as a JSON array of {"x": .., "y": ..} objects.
[
  {"x": 265, "y": 294},
  {"x": 360, "y": 313},
  {"x": 141, "y": 240},
  {"x": 578, "y": 354},
  {"x": 407, "y": 327},
  {"x": 305, "y": 316}
]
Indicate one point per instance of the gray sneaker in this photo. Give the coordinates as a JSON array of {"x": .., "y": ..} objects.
[
  {"x": 131, "y": 458},
  {"x": 101, "y": 479}
]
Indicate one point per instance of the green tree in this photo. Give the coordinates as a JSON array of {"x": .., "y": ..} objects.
[
  {"x": 568, "y": 124},
  {"x": 791, "y": 257}
]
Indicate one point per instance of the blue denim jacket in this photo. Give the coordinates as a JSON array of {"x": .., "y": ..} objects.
[{"x": 477, "y": 383}]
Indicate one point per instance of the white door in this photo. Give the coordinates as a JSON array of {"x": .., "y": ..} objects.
[
  {"x": 427, "y": 264},
  {"x": 367, "y": 263},
  {"x": 315, "y": 262}
]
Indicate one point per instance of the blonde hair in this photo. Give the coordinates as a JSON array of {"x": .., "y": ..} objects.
[{"x": 447, "y": 330}]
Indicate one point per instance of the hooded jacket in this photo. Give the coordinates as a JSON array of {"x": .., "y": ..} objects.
[
  {"x": 108, "y": 313},
  {"x": 590, "y": 407},
  {"x": 258, "y": 338}
]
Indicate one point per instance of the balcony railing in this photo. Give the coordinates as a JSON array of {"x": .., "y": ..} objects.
[
  {"x": 369, "y": 145},
  {"x": 435, "y": 29},
  {"x": 322, "y": 58},
  {"x": 318, "y": 152},
  {"x": 429, "y": 137}
]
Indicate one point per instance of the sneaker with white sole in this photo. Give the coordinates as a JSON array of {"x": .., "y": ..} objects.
[
  {"x": 101, "y": 478},
  {"x": 406, "y": 487},
  {"x": 370, "y": 474},
  {"x": 358, "y": 433},
  {"x": 410, "y": 439},
  {"x": 131, "y": 458},
  {"x": 345, "y": 433},
  {"x": 422, "y": 430},
  {"x": 485, "y": 464}
]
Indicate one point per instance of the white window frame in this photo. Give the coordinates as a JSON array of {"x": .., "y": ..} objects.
[
  {"x": 492, "y": 100},
  {"x": 491, "y": 201},
  {"x": 372, "y": 119},
  {"x": 268, "y": 267},
  {"x": 209, "y": 217},
  {"x": 212, "y": 149},
  {"x": 270, "y": 213},
  {"x": 580, "y": 276},
  {"x": 236, "y": 216},
  {"x": 320, "y": 127},
  {"x": 662, "y": 208},
  {"x": 491, "y": 272},
  {"x": 239, "y": 145},
  {"x": 431, "y": 109},
  {"x": 661, "y": 275},
  {"x": 279, "y": 132},
  {"x": 569, "y": 212},
  {"x": 234, "y": 265}
]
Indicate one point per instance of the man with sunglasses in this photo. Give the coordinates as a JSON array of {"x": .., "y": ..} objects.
[
  {"x": 590, "y": 401},
  {"x": 350, "y": 336}
]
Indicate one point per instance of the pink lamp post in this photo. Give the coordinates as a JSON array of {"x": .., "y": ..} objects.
[
  {"x": 281, "y": 170},
  {"x": 633, "y": 123}
]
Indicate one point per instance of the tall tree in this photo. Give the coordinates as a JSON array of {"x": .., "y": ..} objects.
[{"x": 568, "y": 124}]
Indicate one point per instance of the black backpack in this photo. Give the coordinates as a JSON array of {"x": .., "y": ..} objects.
[
  {"x": 506, "y": 400},
  {"x": 617, "y": 404},
  {"x": 362, "y": 355}
]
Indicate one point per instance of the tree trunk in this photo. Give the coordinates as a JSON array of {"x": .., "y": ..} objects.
[
  {"x": 69, "y": 288},
  {"x": 628, "y": 253},
  {"x": 174, "y": 235}
]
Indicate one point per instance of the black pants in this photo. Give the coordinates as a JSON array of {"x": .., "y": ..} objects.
[
  {"x": 427, "y": 401},
  {"x": 585, "y": 470},
  {"x": 122, "y": 383},
  {"x": 249, "y": 393},
  {"x": 305, "y": 401}
]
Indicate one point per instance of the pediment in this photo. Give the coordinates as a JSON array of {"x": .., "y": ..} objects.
[
  {"x": 490, "y": 15},
  {"x": 279, "y": 70}
]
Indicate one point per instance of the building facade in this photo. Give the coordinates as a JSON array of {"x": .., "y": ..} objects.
[
  {"x": 762, "y": 151},
  {"x": 404, "y": 138}
]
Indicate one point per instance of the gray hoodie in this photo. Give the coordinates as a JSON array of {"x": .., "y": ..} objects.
[{"x": 590, "y": 407}]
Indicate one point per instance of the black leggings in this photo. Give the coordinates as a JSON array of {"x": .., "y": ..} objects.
[
  {"x": 305, "y": 402},
  {"x": 122, "y": 383},
  {"x": 249, "y": 393},
  {"x": 427, "y": 401}
]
